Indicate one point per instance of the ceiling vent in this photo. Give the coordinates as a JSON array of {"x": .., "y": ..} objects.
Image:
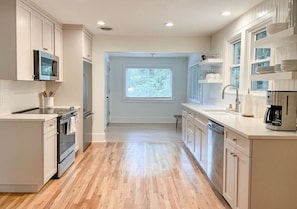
[{"x": 105, "y": 28}]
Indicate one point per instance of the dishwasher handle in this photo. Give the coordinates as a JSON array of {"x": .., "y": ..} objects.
[{"x": 211, "y": 127}]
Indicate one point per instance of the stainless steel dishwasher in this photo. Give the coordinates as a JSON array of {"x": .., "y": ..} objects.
[{"x": 215, "y": 154}]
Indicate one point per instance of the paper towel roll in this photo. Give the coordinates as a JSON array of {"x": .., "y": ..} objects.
[{"x": 247, "y": 109}]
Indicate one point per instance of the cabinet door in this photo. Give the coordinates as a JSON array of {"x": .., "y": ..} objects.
[
  {"x": 49, "y": 149},
  {"x": 24, "y": 52},
  {"x": 37, "y": 31},
  {"x": 184, "y": 126},
  {"x": 204, "y": 148},
  {"x": 229, "y": 174},
  {"x": 59, "y": 51},
  {"x": 198, "y": 144},
  {"x": 42, "y": 33},
  {"x": 48, "y": 36},
  {"x": 242, "y": 168},
  {"x": 190, "y": 137},
  {"x": 87, "y": 47},
  {"x": 50, "y": 155}
]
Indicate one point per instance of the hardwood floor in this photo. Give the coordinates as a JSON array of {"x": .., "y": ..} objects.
[{"x": 152, "y": 173}]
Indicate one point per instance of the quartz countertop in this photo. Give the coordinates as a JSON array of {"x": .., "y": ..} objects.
[
  {"x": 249, "y": 127},
  {"x": 31, "y": 117},
  {"x": 27, "y": 117}
]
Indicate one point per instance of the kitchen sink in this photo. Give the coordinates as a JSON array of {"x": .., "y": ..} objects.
[{"x": 220, "y": 112}]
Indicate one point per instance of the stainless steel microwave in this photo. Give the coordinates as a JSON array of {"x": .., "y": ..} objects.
[{"x": 46, "y": 66}]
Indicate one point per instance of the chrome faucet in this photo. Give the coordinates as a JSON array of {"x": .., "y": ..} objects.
[{"x": 237, "y": 102}]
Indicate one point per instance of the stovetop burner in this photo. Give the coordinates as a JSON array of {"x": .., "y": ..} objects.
[{"x": 37, "y": 110}]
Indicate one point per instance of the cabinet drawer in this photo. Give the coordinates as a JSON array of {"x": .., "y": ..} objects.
[
  {"x": 50, "y": 126},
  {"x": 201, "y": 122},
  {"x": 238, "y": 141},
  {"x": 190, "y": 116}
]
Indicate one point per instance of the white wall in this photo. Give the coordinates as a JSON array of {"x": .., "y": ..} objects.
[
  {"x": 146, "y": 111},
  {"x": 102, "y": 44},
  {"x": 241, "y": 25},
  {"x": 20, "y": 95}
]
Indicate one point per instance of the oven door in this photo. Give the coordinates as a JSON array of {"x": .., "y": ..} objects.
[{"x": 66, "y": 140}]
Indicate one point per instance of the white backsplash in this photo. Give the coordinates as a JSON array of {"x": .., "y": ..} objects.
[{"x": 18, "y": 95}]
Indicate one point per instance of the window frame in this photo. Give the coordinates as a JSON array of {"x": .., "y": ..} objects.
[
  {"x": 230, "y": 46},
  {"x": 259, "y": 27},
  {"x": 147, "y": 99},
  {"x": 194, "y": 96}
]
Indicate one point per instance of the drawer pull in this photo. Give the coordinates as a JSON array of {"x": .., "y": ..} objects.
[{"x": 234, "y": 139}]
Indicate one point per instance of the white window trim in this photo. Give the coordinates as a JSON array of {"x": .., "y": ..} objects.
[
  {"x": 148, "y": 99},
  {"x": 229, "y": 59},
  {"x": 256, "y": 27}
]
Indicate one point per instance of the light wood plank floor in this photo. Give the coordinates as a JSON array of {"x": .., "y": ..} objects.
[{"x": 152, "y": 173}]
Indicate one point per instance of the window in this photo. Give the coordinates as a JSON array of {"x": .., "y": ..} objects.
[
  {"x": 194, "y": 86},
  {"x": 260, "y": 58},
  {"x": 143, "y": 83},
  {"x": 235, "y": 66}
]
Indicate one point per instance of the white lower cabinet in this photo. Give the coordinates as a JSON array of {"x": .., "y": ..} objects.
[
  {"x": 30, "y": 154},
  {"x": 201, "y": 141},
  {"x": 194, "y": 134},
  {"x": 49, "y": 149},
  {"x": 236, "y": 177}
]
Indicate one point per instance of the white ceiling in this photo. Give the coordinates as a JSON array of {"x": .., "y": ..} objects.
[{"x": 147, "y": 17}]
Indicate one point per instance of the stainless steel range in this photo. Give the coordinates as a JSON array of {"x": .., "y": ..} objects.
[{"x": 66, "y": 135}]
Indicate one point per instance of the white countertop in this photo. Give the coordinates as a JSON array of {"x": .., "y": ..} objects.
[
  {"x": 27, "y": 117},
  {"x": 249, "y": 127},
  {"x": 31, "y": 117}
]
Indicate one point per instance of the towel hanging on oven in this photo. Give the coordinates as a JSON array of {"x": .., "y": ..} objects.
[{"x": 71, "y": 126}]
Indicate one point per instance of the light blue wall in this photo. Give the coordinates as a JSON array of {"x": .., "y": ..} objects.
[{"x": 146, "y": 112}]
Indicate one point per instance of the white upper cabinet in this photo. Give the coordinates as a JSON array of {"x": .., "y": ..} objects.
[
  {"x": 15, "y": 41},
  {"x": 24, "y": 68},
  {"x": 25, "y": 29},
  {"x": 87, "y": 46},
  {"x": 59, "y": 51},
  {"x": 42, "y": 33}
]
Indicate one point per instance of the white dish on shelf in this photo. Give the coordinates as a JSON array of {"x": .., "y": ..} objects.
[
  {"x": 265, "y": 69},
  {"x": 277, "y": 68},
  {"x": 276, "y": 27},
  {"x": 289, "y": 65}
]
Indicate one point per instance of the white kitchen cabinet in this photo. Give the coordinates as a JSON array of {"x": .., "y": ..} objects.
[
  {"x": 190, "y": 140},
  {"x": 30, "y": 154},
  {"x": 236, "y": 170},
  {"x": 24, "y": 68},
  {"x": 50, "y": 149},
  {"x": 25, "y": 29},
  {"x": 184, "y": 125},
  {"x": 194, "y": 134},
  {"x": 201, "y": 140},
  {"x": 87, "y": 46},
  {"x": 59, "y": 51},
  {"x": 42, "y": 33},
  {"x": 15, "y": 53}
]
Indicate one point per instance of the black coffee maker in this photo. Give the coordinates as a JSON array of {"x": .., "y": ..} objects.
[{"x": 280, "y": 114}]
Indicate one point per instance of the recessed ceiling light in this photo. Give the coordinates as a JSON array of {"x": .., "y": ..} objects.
[
  {"x": 169, "y": 24},
  {"x": 100, "y": 23},
  {"x": 226, "y": 13}
]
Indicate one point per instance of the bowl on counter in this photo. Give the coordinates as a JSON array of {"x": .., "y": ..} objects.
[{"x": 276, "y": 27}]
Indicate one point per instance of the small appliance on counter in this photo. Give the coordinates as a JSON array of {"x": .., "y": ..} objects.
[{"x": 280, "y": 114}]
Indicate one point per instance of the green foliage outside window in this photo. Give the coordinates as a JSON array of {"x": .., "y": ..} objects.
[{"x": 149, "y": 83}]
